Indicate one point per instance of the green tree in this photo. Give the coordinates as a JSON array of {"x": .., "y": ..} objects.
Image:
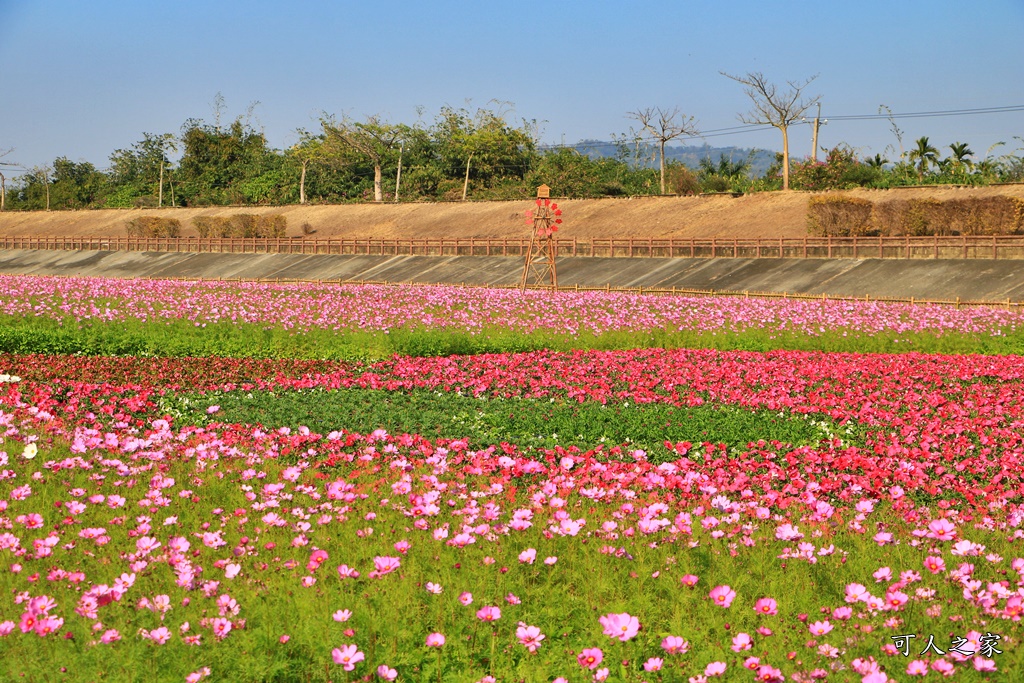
[
  {"x": 923, "y": 155},
  {"x": 136, "y": 174},
  {"x": 373, "y": 139},
  {"x": 877, "y": 161},
  {"x": 226, "y": 165},
  {"x": 482, "y": 147},
  {"x": 309, "y": 150},
  {"x": 958, "y": 162},
  {"x": 724, "y": 176},
  {"x": 77, "y": 185}
]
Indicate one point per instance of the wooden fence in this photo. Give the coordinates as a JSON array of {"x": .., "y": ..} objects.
[{"x": 935, "y": 247}]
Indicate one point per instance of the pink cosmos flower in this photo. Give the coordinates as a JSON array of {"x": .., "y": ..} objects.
[
  {"x": 941, "y": 530},
  {"x": 934, "y": 564},
  {"x": 386, "y": 673},
  {"x": 160, "y": 635},
  {"x": 653, "y": 664},
  {"x": 316, "y": 558},
  {"x": 348, "y": 656},
  {"x": 620, "y": 626},
  {"x": 527, "y": 556},
  {"x": 741, "y": 642},
  {"x": 856, "y": 592},
  {"x": 111, "y": 635},
  {"x": 769, "y": 674},
  {"x": 896, "y": 599},
  {"x": 714, "y": 669},
  {"x": 221, "y": 627},
  {"x": 675, "y": 645},
  {"x": 529, "y": 636},
  {"x": 466, "y": 598},
  {"x": 435, "y": 640},
  {"x": 842, "y": 613},
  {"x": 383, "y": 565},
  {"x": 766, "y": 606},
  {"x": 346, "y": 572},
  {"x": 918, "y": 667},
  {"x": 590, "y": 658},
  {"x": 488, "y": 613},
  {"x": 722, "y": 595},
  {"x": 342, "y": 615},
  {"x": 689, "y": 580},
  {"x": 820, "y": 628}
]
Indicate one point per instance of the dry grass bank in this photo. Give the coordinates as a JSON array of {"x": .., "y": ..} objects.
[{"x": 770, "y": 214}]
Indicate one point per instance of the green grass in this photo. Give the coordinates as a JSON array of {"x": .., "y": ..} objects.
[
  {"x": 538, "y": 423},
  {"x": 181, "y": 339}
]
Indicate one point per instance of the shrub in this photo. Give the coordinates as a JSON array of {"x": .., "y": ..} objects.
[
  {"x": 889, "y": 218},
  {"x": 926, "y": 216},
  {"x": 153, "y": 226},
  {"x": 681, "y": 180},
  {"x": 209, "y": 226},
  {"x": 838, "y": 216},
  {"x": 241, "y": 225},
  {"x": 986, "y": 215},
  {"x": 271, "y": 225}
]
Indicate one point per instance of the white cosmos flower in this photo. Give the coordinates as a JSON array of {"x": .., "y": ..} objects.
[{"x": 30, "y": 451}]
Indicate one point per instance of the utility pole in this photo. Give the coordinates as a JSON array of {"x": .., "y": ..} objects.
[{"x": 814, "y": 137}]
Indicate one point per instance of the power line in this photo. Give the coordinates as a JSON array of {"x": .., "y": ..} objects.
[{"x": 930, "y": 114}]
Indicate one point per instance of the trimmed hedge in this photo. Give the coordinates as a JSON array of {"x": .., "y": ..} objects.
[
  {"x": 153, "y": 226},
  {"x": 241, "y": 225},
  {"x": 838, "y": 215}
]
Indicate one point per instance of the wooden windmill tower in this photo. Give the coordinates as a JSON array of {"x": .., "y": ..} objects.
[{"x": 539, "y": 267}]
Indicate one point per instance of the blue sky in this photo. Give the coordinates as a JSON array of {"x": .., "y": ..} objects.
[{"x": 83, "y": 79}]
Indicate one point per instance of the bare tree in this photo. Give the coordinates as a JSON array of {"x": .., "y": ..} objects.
[
  {"x": 775, "y": 108},
  {"x": 662, "y": 126}
]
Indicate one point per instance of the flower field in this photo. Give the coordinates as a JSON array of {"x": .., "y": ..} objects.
[
  {"x": 646, "y": 514},
  {"x": 98, "y": 316}
]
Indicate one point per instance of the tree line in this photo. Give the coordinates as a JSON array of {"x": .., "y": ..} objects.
[{"x": 466, "y": 154}]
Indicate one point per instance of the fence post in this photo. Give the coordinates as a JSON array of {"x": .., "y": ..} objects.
[
  {"x": 995, "y": 254},
  {"x": 714, "y": 246},
  {"x": 830, "y": 246}
]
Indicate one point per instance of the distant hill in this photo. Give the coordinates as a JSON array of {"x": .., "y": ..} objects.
[{"x": 690, "y": 156}]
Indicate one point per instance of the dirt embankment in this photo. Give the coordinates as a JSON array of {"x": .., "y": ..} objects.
[{"x": 768, "y": 214}]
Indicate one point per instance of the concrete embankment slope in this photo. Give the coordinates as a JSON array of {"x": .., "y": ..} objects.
[{"x": 974, "y": 279}]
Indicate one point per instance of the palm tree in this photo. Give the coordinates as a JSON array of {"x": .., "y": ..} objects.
[
  {"x": 877, "y": 161},
  {"x": 924, "y": 155},
  {"x": 958, "y": 156}
]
